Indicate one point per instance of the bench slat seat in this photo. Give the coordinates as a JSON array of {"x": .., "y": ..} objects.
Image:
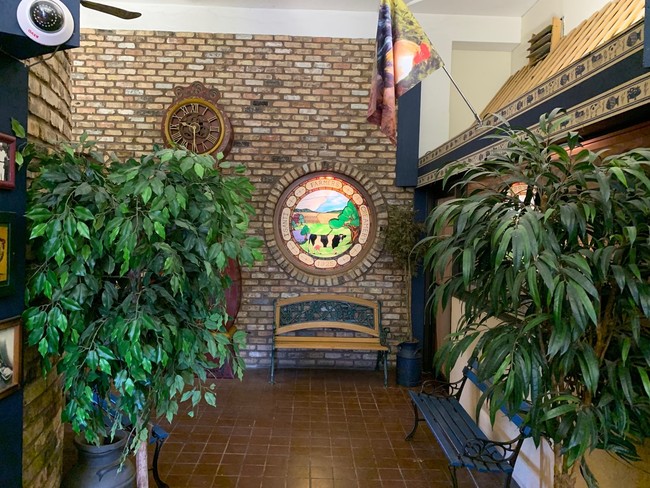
[
  {"x": 457, "y": 433},
  {"x": 329, "y": 322}
]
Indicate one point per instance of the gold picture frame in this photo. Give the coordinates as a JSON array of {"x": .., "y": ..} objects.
[{"x": 7, "y": 253}]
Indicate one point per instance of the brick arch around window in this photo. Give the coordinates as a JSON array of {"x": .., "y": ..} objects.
[{"x": 324, "y": 246}]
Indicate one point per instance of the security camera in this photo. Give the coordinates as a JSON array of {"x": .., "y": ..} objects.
[{"x": 47, "y": 22}]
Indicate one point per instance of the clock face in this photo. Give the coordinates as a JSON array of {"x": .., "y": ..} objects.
[{"x": 197, "y": 125}]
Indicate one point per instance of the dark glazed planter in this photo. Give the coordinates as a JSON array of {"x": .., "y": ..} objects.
[
  {"x": 409, "y": 363},
  {"x": 99, "y": 466}
]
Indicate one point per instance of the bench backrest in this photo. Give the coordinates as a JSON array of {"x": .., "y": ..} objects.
[
  {"x": 516, "y": 418},
  {"x": 322, "y": 311}
]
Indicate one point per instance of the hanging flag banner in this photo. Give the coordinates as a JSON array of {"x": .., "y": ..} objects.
[{"x": 405, "y": 56}]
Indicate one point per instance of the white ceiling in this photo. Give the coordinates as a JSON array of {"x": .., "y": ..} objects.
[{"x": 499, "y": 8}]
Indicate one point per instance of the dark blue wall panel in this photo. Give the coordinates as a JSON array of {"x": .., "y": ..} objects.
[
  {"x": 408, "y": 137},
  {"x": 11, "y": 441},
  {"x": 13, "y": 104}
]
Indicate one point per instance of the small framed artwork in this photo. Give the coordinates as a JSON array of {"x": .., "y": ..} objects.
[
  {"x": 10, "y": 355},
  {"x": 7, "y": 251},
  {"x": 7, "y": 162}
]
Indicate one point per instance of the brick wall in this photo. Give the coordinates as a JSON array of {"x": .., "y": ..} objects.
[
  {"x": 292, "y": 101},
  {"x": 48, "y": 123}
]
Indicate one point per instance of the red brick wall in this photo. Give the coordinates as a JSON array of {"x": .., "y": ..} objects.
[{"x": 291, "y": 101}]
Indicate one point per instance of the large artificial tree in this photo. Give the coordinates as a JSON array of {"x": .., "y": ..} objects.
[
  {"x": 127, "y": 278},
  {"x": 555, "y": 284}
]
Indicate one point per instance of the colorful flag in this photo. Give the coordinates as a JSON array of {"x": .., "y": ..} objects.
[{"x": 405, "y": 56}]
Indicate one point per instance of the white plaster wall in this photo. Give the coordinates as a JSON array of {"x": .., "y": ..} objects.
[
  {"x": 444, "y": 31},
  {"x": 201, "y": 18},
  {"x": 480, "y": 71}
]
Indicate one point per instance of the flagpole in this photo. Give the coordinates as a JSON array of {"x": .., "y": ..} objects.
[{"x": 478, "y": 119}]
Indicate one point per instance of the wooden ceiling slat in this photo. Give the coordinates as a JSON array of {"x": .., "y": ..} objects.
[{"x": 611, "y": 20}]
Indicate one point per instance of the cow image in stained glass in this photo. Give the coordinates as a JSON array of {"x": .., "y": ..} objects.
[{"x": 322, "y": 223}]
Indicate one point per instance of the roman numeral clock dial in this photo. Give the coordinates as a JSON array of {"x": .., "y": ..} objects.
[{"x": 195, "y": 121}]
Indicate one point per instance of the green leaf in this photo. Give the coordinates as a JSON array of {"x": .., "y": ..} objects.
[
  {"x": 199, "y": 170},
  {"x": 105, "y": 366},
  {"x": 187, "y": 164},
  {"x": 631, "y": 233},
  {"x": 590, "y": 368},
  {"x": 38, "y": 230},
  {"x": 159, "y": 229},
  {"x": 221, "y": 260},
  {"x": 210, "y": 398},
  {"x": 39, "y": 214},
  {"x": 83, "y": 229},
  {"x": 83, "y": 190},
  {"x": 70, "y": 304},
  {"x": 17, "y": 129},
  {"x": 129, "y": 386},
  {"x": 43, "y": 347},
  {"x": 86, "y": 252},
  {"x": 468, "y": 265},
  {"x": 559, "y": 411},
  {"x": 82, "y": 213},
  {"x": 59, "y": 256},
  {"x": 146, "y": 194},
  {"x": 644, "y": 380}
]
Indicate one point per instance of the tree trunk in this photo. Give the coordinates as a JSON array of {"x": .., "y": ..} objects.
[
  {"x": 141, "y": 466},
  {"x": 563, "y": 477}
]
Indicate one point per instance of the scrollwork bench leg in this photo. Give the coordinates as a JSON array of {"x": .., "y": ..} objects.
[{"x": 415, "y": 423}]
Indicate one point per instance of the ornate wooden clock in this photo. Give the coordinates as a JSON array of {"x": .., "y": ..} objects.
[{"x": 194, "y": 121}]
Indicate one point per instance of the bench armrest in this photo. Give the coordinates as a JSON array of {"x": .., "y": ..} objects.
[
  {"x": 443, "y": 388},
  {"x": 495, "y": 451}
]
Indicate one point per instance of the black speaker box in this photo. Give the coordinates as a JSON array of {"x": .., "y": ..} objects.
[{"x": 15, "y": 43}]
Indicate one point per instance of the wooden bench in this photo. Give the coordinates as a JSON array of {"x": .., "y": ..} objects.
[
  {"x": 464, "y": 444},
  {"x": 329, "y": 322}
]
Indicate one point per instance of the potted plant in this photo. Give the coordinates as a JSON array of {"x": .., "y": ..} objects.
[
  {"x": 403, "y": 232},
  {"x": 126, "y": 287},
  {"x": 554, "y": 280}
]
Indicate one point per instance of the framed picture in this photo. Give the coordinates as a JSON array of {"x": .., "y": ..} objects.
[
  {"x": 10, "y": 355},
  {"x": 7, "y": 252},
  {"x": 7, "y": 161}
]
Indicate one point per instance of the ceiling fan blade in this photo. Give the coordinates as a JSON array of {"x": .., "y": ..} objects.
[{"x": 107, "y": 9}]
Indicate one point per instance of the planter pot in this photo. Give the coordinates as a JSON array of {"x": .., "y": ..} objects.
[
  {"x": 409, "y": 363},
  {"x": 99, "y": 466}
]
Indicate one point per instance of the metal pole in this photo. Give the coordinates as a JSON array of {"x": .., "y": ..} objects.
[{"x": 478, "y": 119}]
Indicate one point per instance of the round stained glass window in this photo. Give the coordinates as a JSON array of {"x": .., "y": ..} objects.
[{"x": 324, "y": 223}]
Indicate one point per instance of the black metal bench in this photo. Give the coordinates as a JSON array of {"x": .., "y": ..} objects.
[
  {"x": 464, "y": 444},
  {"x": 158, "y": 435}
]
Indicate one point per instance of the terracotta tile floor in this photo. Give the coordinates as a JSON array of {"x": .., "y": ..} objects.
[{"x": 312, "y": 429}]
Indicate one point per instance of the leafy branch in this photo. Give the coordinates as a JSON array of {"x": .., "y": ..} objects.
[{"x": 127, "y": 278}]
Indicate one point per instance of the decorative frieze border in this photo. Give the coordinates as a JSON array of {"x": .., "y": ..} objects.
[
  {"x": 622, "y": 46},
  {"x": 622, "y": 98}
]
